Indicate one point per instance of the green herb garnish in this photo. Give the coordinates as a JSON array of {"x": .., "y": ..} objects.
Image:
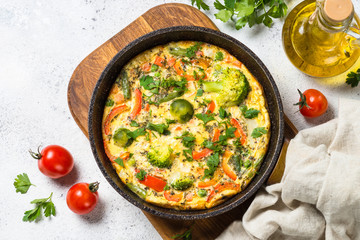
[
  {"x": 223, "y": 113},
  {"x": 141, "y": 175},
  {"x": 353, "y": 78},
  {"x": 22, "y": 183},
  {"x": 258, "y": 132},
  {"x": 43, "y": 203},
  {"x": 202, "y": 193},
  {"x": 160, "y": 128},
  {"x": 109, "y": 103},
  {"x": 212, "y": 162},
  {"x": 249, "y": 113},
  {"x": 219, "y": 56},
  {"x": 134, "y": 124},
  {"x": 205, "y": 117},
  {"x": 154, "y": 68},
  {"x": 119, "y": 161}
]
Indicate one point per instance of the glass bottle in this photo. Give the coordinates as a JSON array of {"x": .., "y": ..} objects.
[{"x": 322, "y": 38}]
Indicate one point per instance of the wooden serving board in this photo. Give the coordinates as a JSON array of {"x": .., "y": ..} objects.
[{"x": 87, "y": 73}]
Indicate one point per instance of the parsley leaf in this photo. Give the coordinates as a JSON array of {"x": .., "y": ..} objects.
[
  {"x": 119, "y": 161},
  {"x": 160, "y": 128},
  {"x": 138, "y": 132},
  {"x": 205, "y": 117},
  {"x": 43, "y": 203},
  {"x": 187, "y": 235},
  {"x": 199, "y": 92},
  {"x": 249, "y": 113},
  {"x": 154, "y": 68},
  {"x": 212, "y": 162},
  {"x": 170, "y": 121},
  {"x": 141, "y": 175},
  {"x": 22, "y": 183},
  {"x": 223, "y": 114},
  {"x": 353, "y": 78},
  {"x": 200, "y": 4},
  {"x": 258, "y": 132},
  {"x": 188, "y": 155},
  {"x": 187, "y": 139},
  {"x": 109, "y": 103},
  {"x": 191, "y": 51},
  {"x": 134, "y": 124},
  {"x": 219, "y": 56}
]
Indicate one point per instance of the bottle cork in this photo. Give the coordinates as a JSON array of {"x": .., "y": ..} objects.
[{"x": 338, "y": 10}]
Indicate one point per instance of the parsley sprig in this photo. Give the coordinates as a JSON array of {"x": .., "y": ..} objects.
[
  {"x": 187, "y": 235},
  {"x": 353, "y": 78},
  {"x": 22, "y": 183},
  {"x": 43, "y": 203},
  {"x": 250, "y": 12}
]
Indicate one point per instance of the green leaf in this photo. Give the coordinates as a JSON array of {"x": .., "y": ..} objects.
[
  {"x": 258, "y": 132},
  {"x": 249, "y": 113},
  {"x": 41, "y": 203},
  {"x": 109, "y": 103},
  {"x": 200, "y": 4},
  {"x": 212, "y": 162},
  {"x": 218, "y": 5},
  {"x": 134, "y": 124},
  {"x": 223, "y": 114},
  {"x": 154, "y": 68},
  {"x": 224, "y": 15},
  {"x": 32, "y": 215},
  {"x": 199, "y": 92},
  {"x": 22, "y": 183},
  {"x": 353, "y": 78},
  {"x": 148, "y": 83},
  {"x": 219, "y": 56},
  {"x": 230, "y": 4},
  {"x": 191, "y": 51},
  {"x": 187, "y": 235},
  {"x": 267, "y": 21},
  {"x": 141, "y": 175},
  {"x": 119, "y": 161},
  {"x": 160, "y": 128},
  {"x": 138, "y": 132},
  {"x": 241, "y": 22},
  {"x": 187, "y": 139},
  {"x": 244, "y": 8},
  {"x": 202, "y": 193},
  {"x": 49, "y": 209},
  {"x": 205, "y": 117}
]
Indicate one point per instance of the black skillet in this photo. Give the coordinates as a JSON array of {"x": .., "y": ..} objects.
[{"x": 163, "y": 36}]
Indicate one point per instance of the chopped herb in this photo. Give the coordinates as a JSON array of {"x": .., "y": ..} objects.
[
  {"x": 185, "y": 61},
  {"x": 191, "y": 51},
  {"x": 109, "y": 103},
  {"x": 223, "y": 113},
  {"x": 160, "y": 128},
  {"x": 154, "y": 67},
  {"x": 249, "y": 113},
  {"x": 188, "y": 155},
  {"x": 141, "y": 175},
  {"x": 22, "y": 183},
  {"x": 219, "y": 56},
  {"x": 134, "y": 124},
  {"x": 187, "y": 139},
  {"x": 170, "y": 121},
  {"x": 187, "y": 235},
  {"x": 199, "y": 92},
  {"x": 353, "y": 78},
  {"x": 43, "y": 203},
  {"x": 212, "y": 162},
  {"x": 138, "y": 132},
  {"x": 167, "y": 187},
  {"x": 157, "y": 74},
  {"x": 259, "y": 131},
  {"x": 119, "y": 161},
  {"x": 202, "y": 193},
  {"x": 148, "y": 83},
  {"x": 247, "y": 164},
  {"x": 205, "y": 117}
]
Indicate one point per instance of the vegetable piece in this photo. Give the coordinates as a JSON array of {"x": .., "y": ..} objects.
[
  {"x": 216, "y": 135},
  {"x": 121, "y": 137},
  {"x": 189, "y": 52},
  {"x": 141, "y": 175},
  {"x": 178, "y": 69},
  {"x": 22, "y": 183},
  {"x": 125, "y": 85},
  {"x": 189, "y": 196},
  {"x": 208, "y": 183},
  {"x": 182, "y": 183},
  {"x": 203, "y": 153},
  {"x": 202, "y": 193},
  {"x": 171, "y": 61},
  {"x": 212, "y": 162},
  {"x": 153, "y": 182},
  {"x": 205, "y": 117},
  {"x": 181, "y": 110},
  {"x": 146, "y": 67},
  {"x": 173, "y": 197},
  {"x": 160, "y": 128},
  {"x": 42, "y": 203},
  {"x": 211, "y": 107},
  {"x": 353, "y": 78},
  {"x": 54, "y": 161},
  {"x": 138, "y": 132},
  {"x": 226, "y": 156},
  {"x": 187, "y": 139},
  {"x": 109, "y": 103},
  {"x": 177, "y": 51},
  {"x": 171, "y": 96},
  {"x": 83, "y": 197},
  {"x": 137, "y": 107},
  {"x": 232, "y": 88},
  {"x": 235, "y": 160},
  {"x": 159, "y": 61},
  {"x": 258, "y": 132},
  {"x": 246, "y": 12},
  {"x": 120, "y": 160},
  {"x": 249, "y": 113},
  {"x": 239, "y": 133},
  {"x": 134, "y": 124},
  {"x": 138, "y": 190},
  {"x": 221, "y": 187},
  {"x": 223, "y": 113},
  {"x": 219, "y": 56},
  {"x": 312, "y": 103},
  {"x": 154, "y": 68},
  {"x": 160, "y": 156},
  {"x": 113, "y": 113}
]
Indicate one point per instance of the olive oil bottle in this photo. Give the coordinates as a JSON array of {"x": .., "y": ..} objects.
[{"x": 322, "y": 38}]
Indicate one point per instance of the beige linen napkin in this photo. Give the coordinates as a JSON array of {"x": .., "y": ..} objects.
[{"x": 319, "y": 194}]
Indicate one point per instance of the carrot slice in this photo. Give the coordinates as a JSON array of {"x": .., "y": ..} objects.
[
  {"x": 207, "y": 183},
  {"x": 113, "y": 113},
  {"x": 153, "y": 182},
  {"x": 137, "y": 107},
  {"x": 147, "y": 107},
  {"x": 189, "y": 197},
  {"x": 159, "y": 61},
  {"x": 119, "y": 98},
  {"x": 221, "y": 187},
  {"x": 211, "y": 107},
  {"x": 179, "y": 69},
  {"x": 146, "y": 67},
  {"x": 226, "y": 156},
  {"x": 171, "y": 61},
  {"x": 216, "y": 135},
  {"x": 203, "y": 153},
  {"x": 211, "y": 195},
  {"x": 239, "y": 133},
  {"x": 175, "y": 197}
]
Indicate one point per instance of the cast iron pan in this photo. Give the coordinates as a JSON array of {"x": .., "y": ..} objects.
[{"x": 163, "y": 36}]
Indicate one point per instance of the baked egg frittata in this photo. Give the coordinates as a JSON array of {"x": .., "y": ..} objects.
[{"x": 185, "y": 125}]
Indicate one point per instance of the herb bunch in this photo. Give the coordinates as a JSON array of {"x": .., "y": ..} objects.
[{"x": 246, "y": 12}]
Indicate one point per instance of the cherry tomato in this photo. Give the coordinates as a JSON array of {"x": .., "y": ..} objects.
[
  {"x": 54, "y": 161},
  {"x": 312, "y": 103},
  {"x": 82, "y": 197}
]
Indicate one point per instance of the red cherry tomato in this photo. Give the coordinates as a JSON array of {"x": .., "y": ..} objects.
[
  {"x": 54, "y": 161},
  {"x": 82, "y": 197},
  {"x": 312, "y": 103}
]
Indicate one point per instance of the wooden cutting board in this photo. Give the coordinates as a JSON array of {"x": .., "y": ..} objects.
[{"x": 87, "y": 73}]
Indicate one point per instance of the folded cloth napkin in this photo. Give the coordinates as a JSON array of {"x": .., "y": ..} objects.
[{"x": 319, "y": 194}]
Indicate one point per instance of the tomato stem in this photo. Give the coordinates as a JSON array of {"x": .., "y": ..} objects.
[
  {"x": 36, "y": 155},
  {"x": 93, "y": 187}
]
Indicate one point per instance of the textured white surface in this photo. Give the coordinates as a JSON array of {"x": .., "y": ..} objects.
[{"x": 41, "y": 44}]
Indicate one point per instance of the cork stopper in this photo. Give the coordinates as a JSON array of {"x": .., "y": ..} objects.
[{"x": 338, "y": 10}]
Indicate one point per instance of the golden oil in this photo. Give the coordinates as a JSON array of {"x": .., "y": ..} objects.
[{"x": 317, "y": 47}]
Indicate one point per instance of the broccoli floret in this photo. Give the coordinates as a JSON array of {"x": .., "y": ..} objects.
[
  {"x": 160, "y": 156},
  {"x": 182, "y": 183},
  {"x": 232, "y": 87}
]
